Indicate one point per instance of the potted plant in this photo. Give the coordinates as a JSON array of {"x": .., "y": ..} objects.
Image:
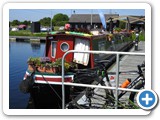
[
  {"x": 67, "y": 65},
  {"x": 30, "y": 62},
  {"x": 54, "y": 67},
  {"x": 37, "y": 62},
  {"x": 58, "y": 64},
  {"x": 42, "y": 68}
]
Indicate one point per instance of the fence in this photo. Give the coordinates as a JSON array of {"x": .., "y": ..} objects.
[{"x": 96, "y": 86}]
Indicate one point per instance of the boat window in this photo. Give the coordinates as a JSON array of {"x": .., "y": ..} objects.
[
  {"x": 76, "y": 26},
  {"x": 54, "y": 43},
  {"x": 81, "y": 45},
  {"x": 64, "y": 47},
  {"x": 101, "y": 45}
]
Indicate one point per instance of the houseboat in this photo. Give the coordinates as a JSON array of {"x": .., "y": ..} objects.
[{"x": 43, "y": 76}]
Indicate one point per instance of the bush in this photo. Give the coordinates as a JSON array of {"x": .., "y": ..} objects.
[
  {"x": 141, "y": 36},
  {"x": 117, "y": 29}
]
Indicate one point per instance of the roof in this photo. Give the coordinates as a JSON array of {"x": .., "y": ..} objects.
[
  {"x": 22, "y": 26},
  {"x": 136, "y": 19},
  {"x": 70, "y": 33},
  {"x": 132, "y": 19},
  {"x": 86, "y": 18}
]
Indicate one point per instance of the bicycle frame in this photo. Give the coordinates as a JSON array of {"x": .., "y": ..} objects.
[{"x": 132, "y": 84}]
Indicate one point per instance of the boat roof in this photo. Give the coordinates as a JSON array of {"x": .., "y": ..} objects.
[
  {"x": 70, "y": 33},
  {"x": 78, "y": 34}
]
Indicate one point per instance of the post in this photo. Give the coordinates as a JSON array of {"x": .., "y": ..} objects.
[
  {"x": 136, "y": 41},
  {"x": 51, "y": 21},
  {"x": 117, "y": 81},
  {"x": 91, "y": 18},
  {"x": 128, "y": 24},
  {"x": 111, "y": 25},
  {"x": 63, "y": 90}
]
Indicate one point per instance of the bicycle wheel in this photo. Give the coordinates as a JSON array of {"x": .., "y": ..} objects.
[
  {"x": 104, "y": 95},
  {"x": 82, "y": 79},
  {"x": 132, "y": 96}
]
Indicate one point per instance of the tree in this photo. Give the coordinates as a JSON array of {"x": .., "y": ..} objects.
[
  {"x": 45, "y": 21},
  {"x": 60, "y": 19},
  {"x": 26, "y": 22},
  {"x": 15, "y": 23}
]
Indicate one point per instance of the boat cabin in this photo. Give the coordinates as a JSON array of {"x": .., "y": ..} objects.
[{"x": 59, "y": 43}]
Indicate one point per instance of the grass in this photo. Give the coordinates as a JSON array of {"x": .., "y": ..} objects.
[
  {"x": 56, "y": 28},
  {"x": 28, "y": 33}
]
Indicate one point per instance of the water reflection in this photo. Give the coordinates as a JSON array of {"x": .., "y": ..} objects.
[
  {"x": 19, "y": 52},
  {"x": 35, "y": 47}
]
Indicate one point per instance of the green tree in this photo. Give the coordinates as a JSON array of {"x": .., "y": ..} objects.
[
  {"x": 60, "y": 19},
  {"x": 15, "y": 23},
  {"x": 45, "y": 21},
  {"x": 26, "y": 22}
]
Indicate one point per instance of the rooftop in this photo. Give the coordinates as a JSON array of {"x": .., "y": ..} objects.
[{"x": 86, "y": 18}]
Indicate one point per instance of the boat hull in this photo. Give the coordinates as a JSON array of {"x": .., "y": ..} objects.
[
  {"x": 43, "y": 96},
  {"x": 45, "y": 89}
]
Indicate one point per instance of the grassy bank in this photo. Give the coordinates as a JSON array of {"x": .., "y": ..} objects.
[{"x": 28, "y": 33}]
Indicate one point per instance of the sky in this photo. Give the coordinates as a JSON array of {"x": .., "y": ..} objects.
[{"x": 37, "y": 14}]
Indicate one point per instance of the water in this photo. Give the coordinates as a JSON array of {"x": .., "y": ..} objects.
[{"x": 19, "y": 52}]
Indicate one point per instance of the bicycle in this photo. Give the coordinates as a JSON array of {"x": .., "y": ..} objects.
[{"x": 97, "y": 75}]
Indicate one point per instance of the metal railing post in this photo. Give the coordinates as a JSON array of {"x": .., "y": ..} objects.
[
  {"x": 117, "y": 80},
  {"x": 63, "y": 90}
]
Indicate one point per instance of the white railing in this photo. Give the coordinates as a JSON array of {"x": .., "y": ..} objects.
[{"x": 96, "y": 86}]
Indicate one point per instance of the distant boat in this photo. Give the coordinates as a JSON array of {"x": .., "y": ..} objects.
[
  {"x": 44, "y": 29},
  {"x": 14, "y": 29}
]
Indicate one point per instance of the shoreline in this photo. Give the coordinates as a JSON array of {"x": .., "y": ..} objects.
[{"x": 27, "y": 38}]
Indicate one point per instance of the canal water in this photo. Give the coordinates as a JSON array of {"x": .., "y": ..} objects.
[{"x": 19, "y": 52}]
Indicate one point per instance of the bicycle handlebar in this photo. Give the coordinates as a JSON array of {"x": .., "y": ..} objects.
[{"x": 140, "y": 67}]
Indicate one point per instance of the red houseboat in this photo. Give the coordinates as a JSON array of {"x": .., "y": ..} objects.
[{"x": 43, "y": 76}]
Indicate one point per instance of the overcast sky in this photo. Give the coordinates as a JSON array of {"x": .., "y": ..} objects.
[{"x": 37, "y": 14}]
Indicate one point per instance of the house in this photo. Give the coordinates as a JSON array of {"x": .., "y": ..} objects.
[
  {"x": 22, "y": 27},
  {"x": 131, "y": 22},
  {"x": 90, "y": 21}
]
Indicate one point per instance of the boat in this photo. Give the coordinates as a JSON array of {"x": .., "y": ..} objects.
[{"x": 42, "y": 79}]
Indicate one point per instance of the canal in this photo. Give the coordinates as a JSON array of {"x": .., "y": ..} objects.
[{"x": 19, "y": 52}]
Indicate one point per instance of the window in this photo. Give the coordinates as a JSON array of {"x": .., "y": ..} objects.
[
  {"x": 101, "y": 45},
  {"x": 76, "y": 26},
  {"x": 64, "y": 47},
  {"x": 54, "y": 43}
]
